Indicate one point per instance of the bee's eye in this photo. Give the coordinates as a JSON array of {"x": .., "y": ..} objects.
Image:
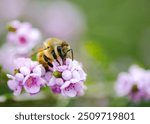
[{"x": 59, "y": 49}]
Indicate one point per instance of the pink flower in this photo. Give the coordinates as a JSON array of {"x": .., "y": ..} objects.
[
  {"x": 73, "y": 89},
  {"x": 28, "y": 75},
  {"x": 25, "y": 62},
  {"x": 23, "y": 36},
  {"x": 68, "y": 78},
  {"x": 135, "y": 84},
  {"x": 15, "y": 84},
  {"x": 7, "y": 56},
  {"x": 32, "y": 83},
  {"x": 124, "y": 84}
]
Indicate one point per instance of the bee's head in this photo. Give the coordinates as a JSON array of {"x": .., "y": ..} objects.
[
  {"x": 66, "y": 50},
  {"x": 65, "y": 46}
]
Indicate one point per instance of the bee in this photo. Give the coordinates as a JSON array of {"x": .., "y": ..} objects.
[{"x": 53, "y": 49}]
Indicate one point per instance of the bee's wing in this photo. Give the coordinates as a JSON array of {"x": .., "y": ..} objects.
[{"x": 35, "y": 50}]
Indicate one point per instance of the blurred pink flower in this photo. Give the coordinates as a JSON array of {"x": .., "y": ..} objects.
[
  {"x": 67, "y": 78},
  {"x": 124, "y": 84},
  {"x": 8, "y": 54},
  {"x": 23, "y": 36},
  {"x": 135, "y": 84},
  {"x": 63, "y": 20},
  {"x": 28, "y": 75}
]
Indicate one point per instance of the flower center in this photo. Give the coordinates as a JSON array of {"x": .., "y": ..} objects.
[
  {"x": 70, "y": 87},
  {"x": 30, "y": 82},
  {"x": 22, "y": 39},
  {"x": 134, "y": 89},
  {"x": 16, "y": 71},
  {"x": 56, "y": 89}
]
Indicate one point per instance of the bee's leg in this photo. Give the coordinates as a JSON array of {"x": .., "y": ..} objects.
[
  {"x": 47, "y": 60},
  {"x": 55, "y": 57}
]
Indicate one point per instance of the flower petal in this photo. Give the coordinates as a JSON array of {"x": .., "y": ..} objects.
[
  {"x": 41, "y": 82},
  {"x": 66, "y": 75},
  {"x": 59, "y": 81},
  {"x": 62, "y": 68},
  {"x": 76, "y": 75},
  {"x": 25, "y": 70},
  {"x": 39, "y": 70},
  {"x": 70, "y": 93},
  {"x": 66, "y": 84},
  {"x": 18, "y": 91},
  {"x": 32, "y": 84},
  {"x": 12, "y": 84},
  {"x": 33, "y": 89},
  {"x": 10, "y": 76},
  {"x": 33, "y": 64},
  {"x": 56, "y": 89},
  {"x": 47, "y": 76},
  {"x": 52, "y": 81},
  {"x": 19, "y": 77},
  {"x": 74, "y": 81}
]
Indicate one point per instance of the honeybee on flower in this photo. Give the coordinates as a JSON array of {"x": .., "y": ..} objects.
[
  {"x": 55, "y": 67},
  {"x": 54, "y": 49}
]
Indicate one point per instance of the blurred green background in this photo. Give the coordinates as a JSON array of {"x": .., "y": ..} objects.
[{"x": 116, "y": 35}]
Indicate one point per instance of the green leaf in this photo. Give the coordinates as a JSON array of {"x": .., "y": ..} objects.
[{"x": 3, "y": 83}]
